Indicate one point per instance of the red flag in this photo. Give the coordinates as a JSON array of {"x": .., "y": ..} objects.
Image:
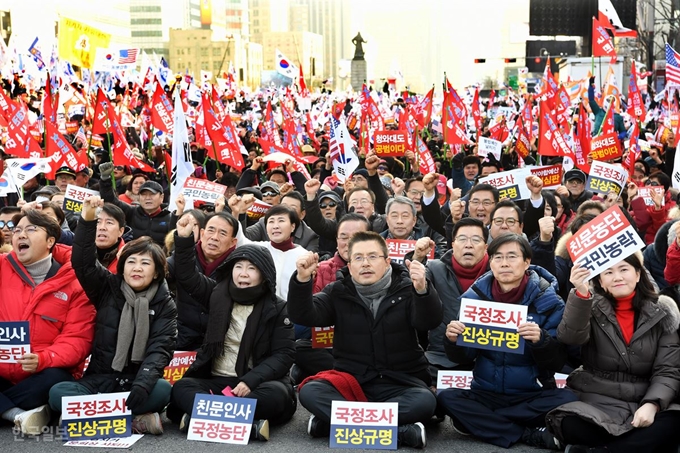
[
  {"x": 122, "y": 155},
  {"x": 17, "y": 133},
  {"x": 425, "y": 110},
  {"x": 100, "y": 123},
  {"x": 499, "y": 131},
  {"x": 48, "y": 107},
  {"x": 301, "y": 82},
  {"x": 602, "y": 42},
  {"x": 270, "y": 125},
  {"x": 634, "y": 151},
  {"x": 582, "y": 140},
  {"x": 492, "y": 95},
  {"x": 636, "y": 108},
  {"x": 59, "y": 150},
  {"x": 227, "y": 152},
  {"x": 453, "y": 134},
  {"x": 217, "y": 105},
  {"x": 477, "y": 112},
  {"x": 162, "y": 111},
  {"x": 551, "y": 141},
  {"x": 270, "y": 148},
  {"x": 549, "y": 85},
  {"x": 424, "y": 157}
]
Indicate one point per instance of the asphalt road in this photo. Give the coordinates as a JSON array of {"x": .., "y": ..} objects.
[{"x": 291, "y": 437}]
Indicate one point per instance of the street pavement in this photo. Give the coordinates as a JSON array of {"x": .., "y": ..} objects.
[{"x": 289, "y": 438}]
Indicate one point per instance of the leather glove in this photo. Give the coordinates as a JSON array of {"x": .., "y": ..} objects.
[
  {"x": 457, "y": 161},
  {"x": 137, "y": 398},
  {"x": 105, "y": 170},
  {"x": 592, "y": 80}
]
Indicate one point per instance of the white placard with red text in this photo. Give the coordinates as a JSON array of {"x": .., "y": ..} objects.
[
  {"x": 398, "y": 248},
  {"x": 258, "y": 209},
  {"x": 604, "y": 241},
  {"x": 453, "y": 379},
  {"x": 646, "y": 194},
  {"x": 550, "y": 174},
  {"x": 202, "y": 190}
]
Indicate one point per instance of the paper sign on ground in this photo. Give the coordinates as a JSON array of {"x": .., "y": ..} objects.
[
  {"x": 74, "y": 197},
  {"x": 510, "y": 184},
  {"x": 14, "y": 341},
  {"x": 398, "y": 248},
  {"x": 98, "y": 416},
  {"x": 453, "y": 379},
  {"x": 222, "y": 419},
  {"x": 322, "y": 337},
  {"x": 114, "y": 442},
  {"x": 359, "y": 425},
  {"x": 604, "y": 241},
  {"x": 604, "y": 178},
  {"x": 180, "y": 363},
  {"x": 489, "y": 145},
  {"x": 492, "y": 325}
]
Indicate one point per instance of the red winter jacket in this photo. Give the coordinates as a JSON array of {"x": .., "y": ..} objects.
[
  {"x": 325, "y": 273},
  {"x": 60, "y": 315}
]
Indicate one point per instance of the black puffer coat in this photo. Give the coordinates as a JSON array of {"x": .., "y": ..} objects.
[{"x": 103, "y": 289}]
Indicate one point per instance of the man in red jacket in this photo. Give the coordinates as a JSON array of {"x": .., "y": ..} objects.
[{"x": 38, "y": 285}]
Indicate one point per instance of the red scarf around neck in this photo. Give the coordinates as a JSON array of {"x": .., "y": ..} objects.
[
  {"x": 209, "y": 268},
  {"x": 511, "y": 297},
  {"x": 625, "y": 315},
  {"x": 284, "y": 246},
  {"x": 468, "y": 275}
]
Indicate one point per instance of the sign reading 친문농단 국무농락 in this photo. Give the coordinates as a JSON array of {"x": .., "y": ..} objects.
[
  {"x": 510, "y": 184},
  {"x": 364, "y": 425},
  {"x": 646, "y": 194},
  {"x": 390, "y": 143},
  {"x": 222, "y": 419},
  {"x": 604, "y": 178},
  {"x": 604, "y": 241},
  {"x": 98, "y": 416},
  {"x": 492, "y": 325},
  {"x": 202, "y": 190},
  {"x": 14, "y": 341},
  {"x": 74, "y": 197},
  {"x": 398, "y": 248}
]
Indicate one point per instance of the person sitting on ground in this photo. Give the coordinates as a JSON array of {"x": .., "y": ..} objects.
[
  {"x": 630, "y": 377},
  {"x": 136, "y": 325},
  {"x": 249, "y": 342}
]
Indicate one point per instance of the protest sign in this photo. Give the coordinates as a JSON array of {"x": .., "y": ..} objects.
[
  {"x": 202, "y": 190},
  {"x": 180, "y": 363},
  {"x": 604, "y": 241},
  {"x": 364, "y": 425},
  {"x": 453, "y": 379},
  {"x": 119, "y": 442},
  {"x": 14, "y": 341},
  {"x": 550, "y": 174},
  {"x": 510, "y": 184},
  {"x": 492, "y": 325},
  {"x": 322, "y": 337},
  {"x": 222, "y": 419},
  {"x": 390, "y": 143},
  {"x": 74, "y": 197},
  {"x": 489, "y": 145},
  {"x": 258, "y": 209},
  {"x": 646, "y": 194},
  {"x": 604, "y": 178},
  {"x": 398, "y": 248},
  {"x": 97, "y": 416},
  {"x": 605, "y": 147}
]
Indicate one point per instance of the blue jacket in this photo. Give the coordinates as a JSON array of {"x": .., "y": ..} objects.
[{"x": 508, "y": 373}]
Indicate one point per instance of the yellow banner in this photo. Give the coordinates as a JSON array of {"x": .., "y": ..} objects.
[{"x": 78, "y": 42}]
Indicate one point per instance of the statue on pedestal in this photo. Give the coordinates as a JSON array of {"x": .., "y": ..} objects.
[{"x": 358, "y": 48}]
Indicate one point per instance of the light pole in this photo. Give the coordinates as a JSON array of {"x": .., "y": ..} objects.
[{"x": 230, "y": 38}]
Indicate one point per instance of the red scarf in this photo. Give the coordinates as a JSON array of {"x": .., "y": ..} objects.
[
  {"x": 625, "y": 315},
  {"x": 343, "y": 382},
  {"x": 468, "y": 275},
  {"x": 284, "y": 246},
  {"x": 511, "y": 297},
  {"x": 209, "y": 268}
]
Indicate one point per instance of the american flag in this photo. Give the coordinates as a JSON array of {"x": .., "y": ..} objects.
[
  {"x": 127, "y": 56},
  {"x": 672, "y": 66}
]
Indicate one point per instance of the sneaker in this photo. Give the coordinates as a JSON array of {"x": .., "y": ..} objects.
[
  {"x": 459, "y": 428},
  {"x": 260, "y": 430},
  {"x": 541, "y": 438},
  {"x": 576, "y": 449},
  {"x": 147, "y": 424},
  {"x": 317, "y": 427},
  {"x": 184, "y": 423},
  {"x": 412, "y": 435},
  {"x": 31, "y": 422}
]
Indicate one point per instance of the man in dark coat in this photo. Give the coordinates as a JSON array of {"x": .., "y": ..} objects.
[{"x": 376, "y": 307}]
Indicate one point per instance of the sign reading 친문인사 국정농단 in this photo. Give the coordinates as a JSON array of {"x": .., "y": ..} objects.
[
  {"x": 222, "y": 419},
  {"x": 14, "y": 340}
]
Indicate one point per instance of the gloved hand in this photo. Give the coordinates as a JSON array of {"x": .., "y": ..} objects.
[
  {"x": 137, "y": 398},
  {"x": 457, "y": 161},
  {"x": 592, "y": 80},
  {"x": 105, "y": 170}
]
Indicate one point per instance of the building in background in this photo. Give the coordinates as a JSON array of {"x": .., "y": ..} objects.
[
  {"x": 331, "y": 19},
  {"x": 268, "y": 16},
  {"x": 302, "y": 48},
  {"x": 146, "y": 26},
  {"x": 237, "y": 21}
]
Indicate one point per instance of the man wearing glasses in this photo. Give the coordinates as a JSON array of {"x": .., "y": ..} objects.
[
  {"x": 377, "y": 308},
  {"x": 6, "y": 224},
  {"x": 506, "y": 403},
  {"x": 575, "y": 180},
  {"x": 271, "y": 193}
]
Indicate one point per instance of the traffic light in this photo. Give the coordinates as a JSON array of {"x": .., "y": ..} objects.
[
  {"x": 511, "y": 60},
  {"x": 480, "y": 60}
]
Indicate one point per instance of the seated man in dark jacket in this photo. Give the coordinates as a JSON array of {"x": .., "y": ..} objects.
[
  {"x": 150, "y": 218},
  {"x": 376, "y": 307},
  {"x": 507, "y": 403}
]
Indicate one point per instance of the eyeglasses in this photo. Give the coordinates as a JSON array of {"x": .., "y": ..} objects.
[
  {"x": 330, "y": 204},
  {"x": 382, "y": 167},
  {"x": 269, "y": 194},
  {"x": 485, "y": 203},
  {"x": 119, "y": 168},
  {"x": 371, "y": 259},
  {"x": 653, "y": 183},
  {"x": 9, "y": 224},
  {"x": 498, "y": 221},
  {"x": 364, "y": 202},
  {"x": 575, "y": 182},
  {"x": 29, "y": 229},
  {"x": 476, "y": 240},
  {"x": 415, "y": 192},
  {"x": 499, "y": 258}
]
